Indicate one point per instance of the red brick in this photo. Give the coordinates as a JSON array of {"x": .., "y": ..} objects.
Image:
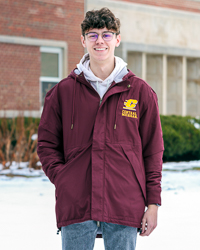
[
  {"x": 47, "y": 19},
  {"x": 19, "y": 81},
  {"x": 20, "y": 65}
]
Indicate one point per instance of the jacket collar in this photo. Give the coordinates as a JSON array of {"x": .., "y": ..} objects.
[{"x": 123, "y": 84}]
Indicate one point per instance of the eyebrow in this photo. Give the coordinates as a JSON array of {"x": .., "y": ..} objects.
[{"x": 99, "y": 33}]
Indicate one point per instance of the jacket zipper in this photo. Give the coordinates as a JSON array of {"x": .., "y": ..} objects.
[
  {"x": 98, "y": 223},
  {"x": 100, "y": 101}
]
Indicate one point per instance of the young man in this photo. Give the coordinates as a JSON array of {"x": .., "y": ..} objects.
[{"x": 100, "y": 143}]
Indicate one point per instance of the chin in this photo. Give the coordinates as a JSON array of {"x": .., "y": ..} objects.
[{"x": 102, "y": 57}]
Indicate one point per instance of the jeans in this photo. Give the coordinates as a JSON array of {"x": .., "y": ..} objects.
[{"x": 81, "y": 236}]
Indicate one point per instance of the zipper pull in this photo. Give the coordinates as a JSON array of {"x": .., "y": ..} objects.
[{"x": 98, "y": 223}]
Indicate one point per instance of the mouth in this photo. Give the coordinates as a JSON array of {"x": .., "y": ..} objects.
[{"x": 100, "y": 49}]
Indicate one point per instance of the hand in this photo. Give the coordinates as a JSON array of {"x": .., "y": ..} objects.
[{"x": 149, "y": 220}]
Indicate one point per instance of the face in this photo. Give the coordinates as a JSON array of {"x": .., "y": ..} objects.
[{"x": 100, "y": 50}]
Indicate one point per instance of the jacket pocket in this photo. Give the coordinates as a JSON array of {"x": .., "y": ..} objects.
[
  {"x": 138, "y": 169},
  {"x": 74, "y": 155}
]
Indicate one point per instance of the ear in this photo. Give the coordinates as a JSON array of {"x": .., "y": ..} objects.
[
  {"x": 118, "y": 40},
  {"x": 83, "y": 41}
]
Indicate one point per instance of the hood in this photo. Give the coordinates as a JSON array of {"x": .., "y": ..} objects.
[{"x": 98, "y": 84}]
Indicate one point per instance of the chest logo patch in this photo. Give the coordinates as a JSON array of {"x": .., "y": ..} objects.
[
  {"x": 129, "y": 108},
  {"x": 130, "y": 104}
]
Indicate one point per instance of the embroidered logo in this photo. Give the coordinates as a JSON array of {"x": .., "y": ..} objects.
[{"x": 130, "y": 106}]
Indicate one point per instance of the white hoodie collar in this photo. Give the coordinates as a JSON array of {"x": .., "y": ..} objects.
[
  {"x": 100, "y": 85},
  {"x": 84, "y": 66}
]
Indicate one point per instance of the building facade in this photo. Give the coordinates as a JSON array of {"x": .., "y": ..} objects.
[{"x": 40, "y": 44}]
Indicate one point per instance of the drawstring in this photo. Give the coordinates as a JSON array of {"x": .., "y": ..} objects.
[
  {"x": 72, "y": 118},
  {"x": 115, "y": 124}
]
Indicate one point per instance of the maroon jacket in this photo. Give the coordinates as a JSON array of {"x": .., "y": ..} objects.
[{"x": 104, "y": 156}]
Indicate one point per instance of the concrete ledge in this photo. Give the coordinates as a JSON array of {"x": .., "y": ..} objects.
[
  {"x": 32, "y": 41},
  {"x": 156, "y": 49}
]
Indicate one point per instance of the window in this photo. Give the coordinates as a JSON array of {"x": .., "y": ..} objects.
[{"x": 51, "y": 69}]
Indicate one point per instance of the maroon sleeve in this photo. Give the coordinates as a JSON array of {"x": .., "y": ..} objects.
[
  {"x": 153, "y": 170},
  {"x": 50, "y": 144},
  {"x": 153, "y": 147}
]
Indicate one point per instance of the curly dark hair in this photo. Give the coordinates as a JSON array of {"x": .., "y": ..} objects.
[{"x": 100, "y": 19}]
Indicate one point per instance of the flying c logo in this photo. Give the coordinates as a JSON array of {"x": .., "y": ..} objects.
[{"x": 130, "y": 105}]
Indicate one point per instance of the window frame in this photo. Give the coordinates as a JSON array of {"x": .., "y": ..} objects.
[{"x": 53, "y": 50}]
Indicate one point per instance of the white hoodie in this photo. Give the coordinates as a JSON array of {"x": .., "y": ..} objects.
[{"x": 98, "y": 84}]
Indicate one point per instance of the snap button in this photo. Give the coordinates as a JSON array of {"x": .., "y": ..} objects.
[{"x": 128, "y": 86}]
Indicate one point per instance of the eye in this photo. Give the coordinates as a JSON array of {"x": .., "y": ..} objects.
[
  {"x": 107, "y": 35},
  {"x": 92, "y": 35}
]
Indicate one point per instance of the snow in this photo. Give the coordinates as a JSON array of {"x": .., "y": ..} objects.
[
  {"x": 196, "y": 125},
  {"x": 180, "y": 166},
  {"x": 21, "y": 169},
  {"x": 34, "y": 137},
  {"x": 27, "y": 211}
]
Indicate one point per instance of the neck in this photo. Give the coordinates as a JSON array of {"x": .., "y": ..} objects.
[{"x": 101, "y": 69}]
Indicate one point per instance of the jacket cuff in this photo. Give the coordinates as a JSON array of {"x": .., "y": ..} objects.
[{"x": 153, "y": 197}]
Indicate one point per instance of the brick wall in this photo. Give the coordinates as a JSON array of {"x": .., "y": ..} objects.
[
  {"x": 19, "y": 81},
  {"x": 186, "y": 5},
  {"x": 20, "y": 65},
  {"x": 75, "y": 16},
  {"x": 45, "y": 19}
]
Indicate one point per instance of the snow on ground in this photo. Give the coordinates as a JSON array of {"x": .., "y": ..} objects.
[
  {"x": 27, "y": 212},
  {"x": 182, "y": 165},
  {"x": 21, "y": 169}
]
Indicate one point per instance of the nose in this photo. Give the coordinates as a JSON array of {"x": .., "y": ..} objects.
[{"x": 99, "y": 39}]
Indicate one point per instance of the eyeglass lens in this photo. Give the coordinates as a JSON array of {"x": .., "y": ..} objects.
[{"x": 107, "y": 36}]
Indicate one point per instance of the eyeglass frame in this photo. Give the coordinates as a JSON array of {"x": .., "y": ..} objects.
[{"x": 101, "y": 34}]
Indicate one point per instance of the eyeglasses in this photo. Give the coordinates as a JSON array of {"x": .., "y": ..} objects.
[{"x": 93, "y": 36}]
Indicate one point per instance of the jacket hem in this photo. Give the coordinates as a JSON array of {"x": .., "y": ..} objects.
[
  {"x": 106, "y": 219},
  {"x": 119, "y": 221},
  {"x": 69, "y": 222},
  {"x": 123, "y": 222}
]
